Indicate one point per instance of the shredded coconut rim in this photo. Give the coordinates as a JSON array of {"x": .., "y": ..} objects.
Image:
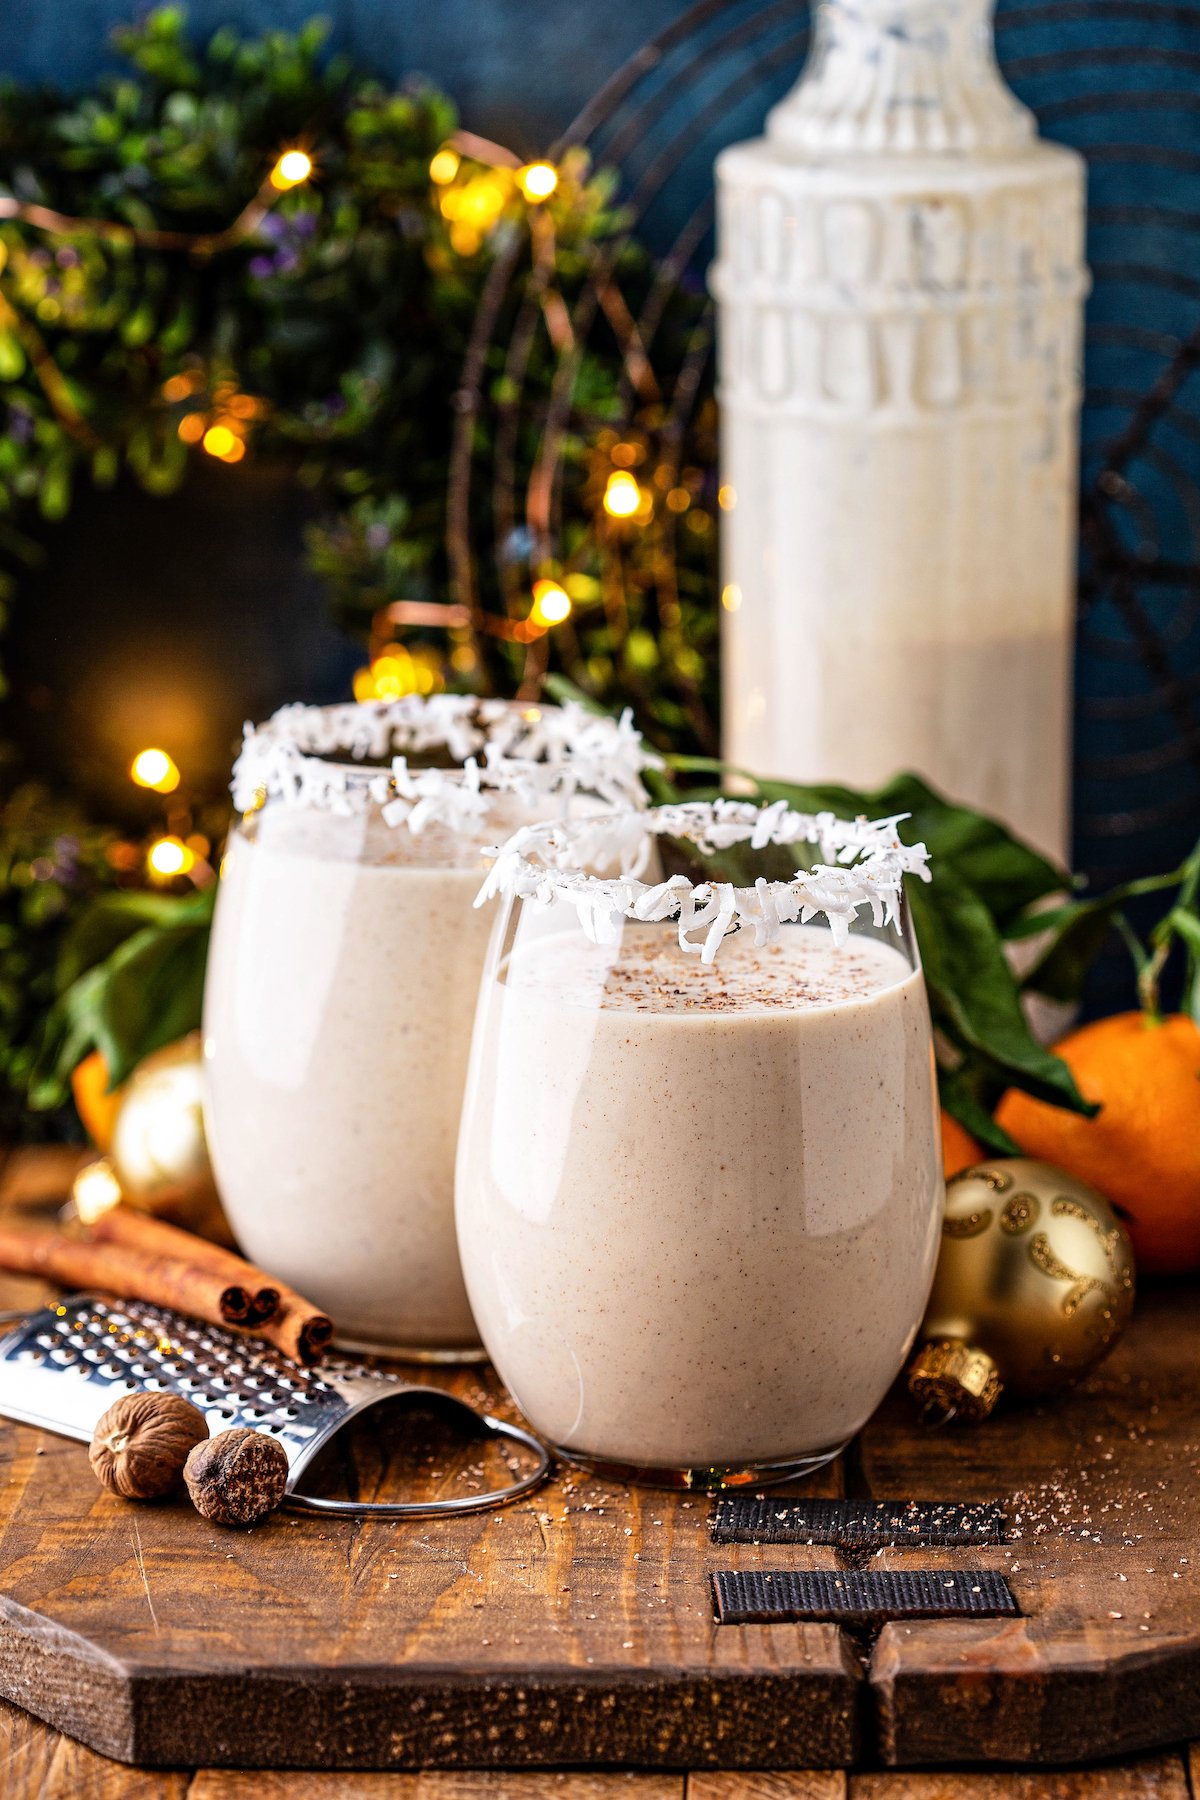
[
  {"x": 863, "y": 864},
  {"x": 309, "y": 756}
]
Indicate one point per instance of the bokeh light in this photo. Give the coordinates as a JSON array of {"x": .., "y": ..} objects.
[
  {"x": 154, "y": 769},
  {"x": 293, "y": 167},
  {"x": 622, "y": 496},
  {"x": 538, "y": 180},
  {"x": 168, "y": 857},
  {"x": 551, "y": 603},
  {"x": 444, "y": 167}
]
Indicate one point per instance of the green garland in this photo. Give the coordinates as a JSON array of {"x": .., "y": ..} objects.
[{"x": 159, "y": 296}]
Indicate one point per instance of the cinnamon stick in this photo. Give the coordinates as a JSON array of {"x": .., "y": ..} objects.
[
  {"x": 250, "y": 1296},
  {"x": 298, "y": 1329},
  {"x": 116, "y": 1269},
  {"x": 273, "y": 1310}
]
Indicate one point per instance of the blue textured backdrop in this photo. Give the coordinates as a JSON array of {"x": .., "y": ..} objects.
[{"x": 1120, "y": 79}]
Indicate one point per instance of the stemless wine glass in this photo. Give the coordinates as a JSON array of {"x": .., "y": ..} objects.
[
  {"x": 341, "y": 986},
  {"x": 699, "y": 1182}
]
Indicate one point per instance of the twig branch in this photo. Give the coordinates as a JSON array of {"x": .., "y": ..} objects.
[
  {"x": 49, "y": 377},
  {"x": 198, "y": 243}
]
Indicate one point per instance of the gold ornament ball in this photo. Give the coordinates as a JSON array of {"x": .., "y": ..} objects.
[
  {"x": 1034, "y": 1285},
  {"x": 159, "y": 1152}
]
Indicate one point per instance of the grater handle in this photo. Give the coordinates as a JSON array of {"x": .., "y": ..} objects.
[{"x": 486, "y": 1426}]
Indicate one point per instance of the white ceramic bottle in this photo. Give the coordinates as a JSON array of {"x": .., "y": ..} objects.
[{"x": 900, "y": 279}]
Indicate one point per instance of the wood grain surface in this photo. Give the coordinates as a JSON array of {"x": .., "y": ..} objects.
[
  {"x": 37, "y": 1763},
  {"x": 576, "y": 1627}
]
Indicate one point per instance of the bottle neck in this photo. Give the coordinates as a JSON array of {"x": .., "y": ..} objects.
[{"x": 901, "y": 75}]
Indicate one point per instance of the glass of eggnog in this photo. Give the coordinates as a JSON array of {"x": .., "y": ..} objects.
[
  {"x": 342, "y": 979},
  {"x": 699, "y": 1183}
]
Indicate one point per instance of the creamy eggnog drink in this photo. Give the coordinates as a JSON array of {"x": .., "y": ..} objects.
[
  {"x": 698, "y": 1200},
  {"x": 341, "y": 986}
]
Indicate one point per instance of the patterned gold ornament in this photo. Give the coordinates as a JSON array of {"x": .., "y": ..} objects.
[
  {"x": 159, "y": 1154},
  {"x": 1034, "y": 1285}
]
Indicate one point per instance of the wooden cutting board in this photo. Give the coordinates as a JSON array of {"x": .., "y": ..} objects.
[{"x": 577, "y": 1626}]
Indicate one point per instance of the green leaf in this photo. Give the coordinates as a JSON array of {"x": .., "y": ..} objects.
[
  {"x": 962, "y": 1102},
  {"x": 1184, "y": 925},
  {"x": 560, "y": 688},
  {"x": 1079, "y": 932},
  {"x": 973, "y": 993},
  {"x": 152, "y": 995},
  {"x": 131, "y": 979},
  {"x": 70, "y": 1034},
  {"x": 109, "y": 921}
]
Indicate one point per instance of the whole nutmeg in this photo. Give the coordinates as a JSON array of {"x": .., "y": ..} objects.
[
  {"x": 140, "y": 1446},
  {"x": 237, "y": 1477}
]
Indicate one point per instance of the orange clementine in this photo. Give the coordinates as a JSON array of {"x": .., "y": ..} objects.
[
  {"x": 97, "y": 1108},
  {"x": 1142, "y": 1150},
  {"x": 959, "y": 1149}
]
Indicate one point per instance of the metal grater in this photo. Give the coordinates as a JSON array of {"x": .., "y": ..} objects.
[{"x": 62, "y": 1368}]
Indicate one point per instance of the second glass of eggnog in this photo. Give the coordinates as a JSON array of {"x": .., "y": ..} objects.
[
  {"x": 699, "y": 1182},
  {"x": 341, "y": 987}
]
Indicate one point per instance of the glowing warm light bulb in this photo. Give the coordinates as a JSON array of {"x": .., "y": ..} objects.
[
  {"x": 168, "y": 856},
  {"x": 154, "y": 769},
  {"x": 224, "y": 444},
  {"x": 622, "y": 496},
  {"x": 551, "y": 603},
  {"x": 538, "y": 180},
  {"x": 444, "y": 167},
  {"x": 727, "y": 496},
  {"x": 731, "y": 596},
  {"x": 293, "y": 167}
]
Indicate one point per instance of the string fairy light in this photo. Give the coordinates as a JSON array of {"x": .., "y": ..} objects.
[
  {"x": 154, "y": 769},
  {"x": 537, "y": 181},
  {"x": 224, "y": 444},
  {"x": 292, "y": 168},
  {"x": 168, "y": 857},
  {"x": 477, "y": 183},
  {"x": 551, "y": 604},
  {"x": 622, "y": 495}
]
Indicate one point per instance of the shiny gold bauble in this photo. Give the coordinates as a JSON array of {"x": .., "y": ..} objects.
[
  {"x": 1034, "y": 1285},
  {"x": 159, "y": 1154}
]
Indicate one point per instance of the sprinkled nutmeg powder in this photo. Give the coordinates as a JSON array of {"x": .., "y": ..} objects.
[{"x": 649, "y": 973}]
